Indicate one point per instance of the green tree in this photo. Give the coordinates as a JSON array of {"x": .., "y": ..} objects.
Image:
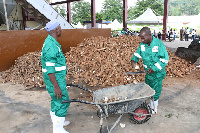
[
  {"x": 184, "y": 7},
  {"x": 61, "y": 9},
  {"x": 112, "y": 9},
  {"x": 81, "y": 11},
  {"x": 141, "y": 7},
  {"x": 99, "y": 16}
]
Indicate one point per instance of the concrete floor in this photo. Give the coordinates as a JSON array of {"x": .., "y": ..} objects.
[
  {"x": 27, "y": 111},
  {"x": 173, "y": 45}
]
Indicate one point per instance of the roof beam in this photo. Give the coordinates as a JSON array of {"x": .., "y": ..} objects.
[{"x": 62, "y": 2}]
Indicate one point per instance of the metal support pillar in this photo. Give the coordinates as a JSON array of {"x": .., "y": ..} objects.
[
  {"x": 69, "y": 12},
  {"x": 93, "y": 14},
  {"x": 125, "y": 7},
  {"x": 165, "y": 19},
  {"x": 6, "y": 17}
]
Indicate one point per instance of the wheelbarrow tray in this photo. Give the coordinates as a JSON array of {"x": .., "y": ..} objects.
[
  {"x": 123, "y": 93},
  {"x": 127, "y": 98}
]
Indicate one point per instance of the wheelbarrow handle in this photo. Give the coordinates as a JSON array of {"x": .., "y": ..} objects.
[
  {"x": 76, "y": 100},
  {"x": 79, "y": 87}
]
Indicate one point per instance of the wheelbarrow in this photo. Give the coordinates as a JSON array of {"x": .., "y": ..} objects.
[{"x": 124, "y": 99}]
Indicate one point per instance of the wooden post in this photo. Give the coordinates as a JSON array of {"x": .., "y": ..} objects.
[
  {"x": 93, "y": 14},
  {"x": 24, "y": 17},
  {"x": 69, "y": 12},
  {"x": 165, "y": 18},
  {"x": 125, "y": 14},
  {"x": 6, "y": 17}
]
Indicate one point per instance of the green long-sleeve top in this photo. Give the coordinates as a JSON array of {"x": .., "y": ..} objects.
[
  {"x": 154, "y": 56},
  {"x": 52, "y": 58}
]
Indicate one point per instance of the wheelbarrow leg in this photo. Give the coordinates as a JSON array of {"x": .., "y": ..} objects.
[
  {"x": 116, "y": 123},
  {"x": 101, "y": 122}
]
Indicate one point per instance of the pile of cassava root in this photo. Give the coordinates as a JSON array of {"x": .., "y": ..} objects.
[
  {"x": 27, "y": 71},
  {"x": 96, "y": 61}
]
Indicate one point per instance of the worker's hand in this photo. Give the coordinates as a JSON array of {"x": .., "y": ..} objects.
[
  {"x": 133, "y": 64},
  {"x": 58, "y": 92},
  {"x": 150, "y": 70}
]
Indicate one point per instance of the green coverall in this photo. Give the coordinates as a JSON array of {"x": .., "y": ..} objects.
[
  {"x": 53, "y": 61},
  {"x": 122, "y": 31},
  {"x": 156, "y": 57}
]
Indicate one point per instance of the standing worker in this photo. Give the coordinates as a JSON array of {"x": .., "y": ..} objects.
[
  {"x": 187, "y": 32},
  {"x": 181, "y": 34},
  {"x": 193, "y": 34},
  {"x": 159, "y": 35},
  {"x": 155, "y": 58},
  {"x": 54, "y": 71},
  {"x": 123, "y": 31},
  {"x": 174, "y": 33}
]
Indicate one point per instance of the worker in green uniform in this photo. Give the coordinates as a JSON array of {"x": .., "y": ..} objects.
[
  {"x": 122, "y": 31},
  {"x": 54, "y": 71},
  {"x": 155, "y": 57}
]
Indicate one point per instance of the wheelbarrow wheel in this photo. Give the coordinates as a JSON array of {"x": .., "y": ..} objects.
[{"x": 142, "y": 109}]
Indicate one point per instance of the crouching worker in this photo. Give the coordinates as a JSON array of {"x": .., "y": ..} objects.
[
  {"x": 54, "y": 71},
  {"x": 155, "y": 57}
]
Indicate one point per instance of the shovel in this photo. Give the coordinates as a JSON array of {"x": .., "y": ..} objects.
[{"x": 138, "y": 72}]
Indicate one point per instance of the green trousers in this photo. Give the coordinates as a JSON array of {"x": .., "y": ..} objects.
[
  {"x": 156, "y": 84},
  {"x": 56, "y": 105}
]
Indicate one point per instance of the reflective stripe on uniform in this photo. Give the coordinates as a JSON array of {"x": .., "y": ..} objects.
[
  {"x": 164, "y": 61},
  {"x": 50, "y": 64},
  {"x": 60, "y": 68},
  {"x": 137, "y": 55},
  {"x": 158, "y": 66},
  {"x": 58, "y": 48},
  {"x": 44, "y": 70},
  {"x": 145, "y": 66},
  {"x": 142, "y": 48}
]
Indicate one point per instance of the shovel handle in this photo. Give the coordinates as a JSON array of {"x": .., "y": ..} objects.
[{"x": 139, "y": 72}]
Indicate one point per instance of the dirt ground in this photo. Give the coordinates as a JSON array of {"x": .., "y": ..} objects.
[{"x": 27, "y": 111}]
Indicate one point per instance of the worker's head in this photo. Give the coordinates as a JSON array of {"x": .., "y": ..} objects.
[
  {"x": 145, "y": 35},
  {"x": 53, "y": 28}
]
